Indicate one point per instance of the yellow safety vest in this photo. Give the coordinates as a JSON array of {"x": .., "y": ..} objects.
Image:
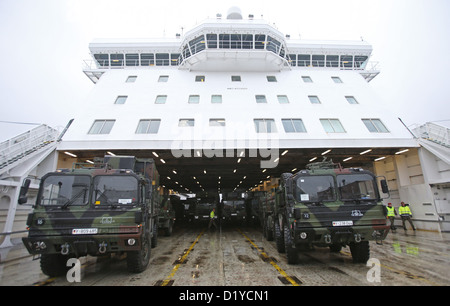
[
  {"x": 404, "y": 211},
  {"x": 211, "y": 215},
  {"x": 391, "y": 211}
]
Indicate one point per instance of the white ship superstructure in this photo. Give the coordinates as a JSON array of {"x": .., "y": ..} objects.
[{"x": 234, "y": 103}]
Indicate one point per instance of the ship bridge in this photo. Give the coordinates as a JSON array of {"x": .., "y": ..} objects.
[
  {"x": 230, "y": 44},
  {"x": 234, "y": 44}
]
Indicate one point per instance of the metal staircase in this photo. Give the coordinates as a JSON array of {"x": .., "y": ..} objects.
[
  {"x": 433, "y": 132},
  {"x": 14, "y": 150}
]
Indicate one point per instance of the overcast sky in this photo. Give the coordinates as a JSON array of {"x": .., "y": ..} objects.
[{"x": 44, "y": 42}]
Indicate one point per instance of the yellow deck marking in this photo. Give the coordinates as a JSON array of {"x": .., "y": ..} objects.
[
  {"x": 182, "y": 259},
  {"x": 281, "y": 271}
]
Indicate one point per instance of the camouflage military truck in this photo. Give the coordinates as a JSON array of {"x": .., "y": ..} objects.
[
  {"x": 233, "y": 206},
  {"x": 166, "y": 217},
  {"x": 326, "y": 205},
  {"x": 98, "y": 209},
  {"x": 205, "y": 203}
]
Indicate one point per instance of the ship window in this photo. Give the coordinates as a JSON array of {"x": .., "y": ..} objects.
[
  {"x": 293, "y": 125},
  {"x": 199, "y": 78},
  {"x": 235, "y": 78},
  {"x": 351, "y": 100},
  {"x": 121, "y": 100},
  {"x": 360, "y": 61},
  {"x": 318, "y": 60},
  {"x": 224, "y": 41},
  {"x": 273, "y": 45},
  {"x": 116, "y": 59},
  {"x": 132, "y": 59},
  {"x": 292, "y": 59},
  {"x": 304, "y": 60},
  {"x": 307, "y": 79},
  {"x": 265, "y": 126},
  {"x": 194, "y": 99},
  {"x": 332, "y": 60},
  {"x": 211, "y": 40},
  {"x": 217, "y": 122},
  {"x": 314, "y": 99},
  {"x": 375, "y": 126},
  {"x": 186, "y": 53},
  {"x": 332, "y": 125},
  {"x": 148, "y": 126},
  {"x": 101, "y": 127},
  {"x": 197, "y": 44},
  {"x": 162, "y": 59},
  {"x": 216, "y": 98},
  {"x": 336, "y": 79},
  {"x": 131, "y": 79},
  {"x": 163, "y": 78},
  {"x": 102, "y": 59},
  {"x": 186, "y": 122},
  {"x": 147, "y": 59},
  {"x": 271, "y": 78},
  {"x": 283, "y": 99},
  {"x": 174, "y": 59},
  {"x": 236, "y": 41},
  {"x": 260, "y": 41},
  {"x": 260, "y": 99},
  {"x": 247, "y": 41},
  {"x": 161, "y": 99},
  {"x": 347, "y": 61}
]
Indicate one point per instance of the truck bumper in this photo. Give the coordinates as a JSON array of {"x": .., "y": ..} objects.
[
  {"x": 324, "y": 236},
  {"x": 94, "y": 245}
]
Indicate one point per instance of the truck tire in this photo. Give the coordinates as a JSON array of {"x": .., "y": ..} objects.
[
  {"x": 291, "y": 252},
  {"x": 360, "y": 251},
  {"x": 279, "y": 237},
  {"x": 169, "y": 229},
  {"x": 137, "y": 261},
  {"x": 54, "y": 264},
  {"x": 268, "y": 229}
]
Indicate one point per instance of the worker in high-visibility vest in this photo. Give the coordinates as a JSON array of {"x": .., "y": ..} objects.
[
  {"x": 406, "y": 215},
  {"x": 212, "y": 216},
  {"x": 391, "y": 213}
]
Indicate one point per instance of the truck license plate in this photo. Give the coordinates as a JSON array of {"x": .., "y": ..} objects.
[
  {"x": 342, "y": 223},
  {"x": 84, "y": 231}
]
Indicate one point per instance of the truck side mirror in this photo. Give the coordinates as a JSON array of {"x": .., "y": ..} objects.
[
  {"x": 23, "y": 191},
  {"x": 384, "y": 186}
]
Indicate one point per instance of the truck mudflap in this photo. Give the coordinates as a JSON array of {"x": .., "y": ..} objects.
[
  {"x": 94, "y": 245},
  {"x": 340, "y": 235}
]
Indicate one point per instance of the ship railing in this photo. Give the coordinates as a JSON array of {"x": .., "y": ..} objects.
[
  {"x": 26, "y": 143},
  {"x": 92, "y": 64}
]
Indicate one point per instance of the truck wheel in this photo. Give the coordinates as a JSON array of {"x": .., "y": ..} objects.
[
  {"x": 137, "y": 261},
  {"x": 360, "y": 251},
  {"x": 54, "y": 264},
  {"x": 279, "y": 239},
  {"x": 169, "y": 229},
  {"x": 291, "y": 253}
]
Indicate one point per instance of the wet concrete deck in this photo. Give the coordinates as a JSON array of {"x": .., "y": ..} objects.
[{"x": 240, "y": 256}]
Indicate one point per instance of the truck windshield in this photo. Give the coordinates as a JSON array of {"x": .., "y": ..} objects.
[
  {"x": 356, "y": 187},
  {"x": 115, "y": 190},
  {"x": 315, "y": 189},
  {"x": 64, "y": 190}
]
